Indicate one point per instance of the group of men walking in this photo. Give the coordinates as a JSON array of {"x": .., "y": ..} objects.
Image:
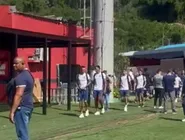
[
  {"x": 162, "y": 86},
  {"x": 170, "y": 85},
  {"x": 100, "y": 82}
]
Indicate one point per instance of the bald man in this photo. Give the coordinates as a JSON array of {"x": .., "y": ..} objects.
[{"x": 20, "y": 99}]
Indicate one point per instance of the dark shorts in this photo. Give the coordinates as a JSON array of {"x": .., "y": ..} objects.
[
  {"x": 177, "y": 89},
  {"x": 139, "y": 91},
  {"x": 97, "y": 93},
  {"x": 83, "y": 95},
  {"x": 124, "y": 93}
]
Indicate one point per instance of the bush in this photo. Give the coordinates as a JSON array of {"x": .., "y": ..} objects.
[{"x": 116, "y": 93}]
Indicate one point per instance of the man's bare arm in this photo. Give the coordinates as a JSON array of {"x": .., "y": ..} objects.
[{"x": 17, "y": 98}]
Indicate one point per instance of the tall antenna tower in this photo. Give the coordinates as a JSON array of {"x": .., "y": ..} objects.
[{"x": 86, "y": 17}]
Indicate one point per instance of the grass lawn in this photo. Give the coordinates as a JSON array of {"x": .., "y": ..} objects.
[{"x": 137, "y": 123}]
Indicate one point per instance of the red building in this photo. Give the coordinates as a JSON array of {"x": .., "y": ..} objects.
[{"x": 33, "y": 24}]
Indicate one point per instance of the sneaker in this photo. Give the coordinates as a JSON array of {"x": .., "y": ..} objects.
[
  {"x": 155, "y": 107},
  {"x": 87, "y": 113},
  {"x": 125, "y": 108},
  {"x": 81, "y": 115},
  {"x": 183, "y": 120},
  {"x": 139, "y": 106},
  {"x": 176, "y": 100},
  {"x": 165, "y": 112},
  {"x": 103, "y": 111},
  {"x": 161, "y": 107},
  {"x": 97, "y": 113}
]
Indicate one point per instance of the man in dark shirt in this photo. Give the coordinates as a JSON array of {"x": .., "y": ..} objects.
[
  {"x": 22, "y": 101},
  {"x": 147, "y": 92},
  {"x": 183, "y": 99},
  {"x": 169, "y": 81}
]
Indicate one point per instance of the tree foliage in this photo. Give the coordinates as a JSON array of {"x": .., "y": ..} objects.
[{"x": 147, "y": 24}]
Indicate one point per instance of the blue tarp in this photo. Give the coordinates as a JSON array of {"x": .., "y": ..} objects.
[{"x": 171, "y": 46}]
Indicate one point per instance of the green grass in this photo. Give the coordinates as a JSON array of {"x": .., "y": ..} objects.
[{"x": 140, "y": 124}]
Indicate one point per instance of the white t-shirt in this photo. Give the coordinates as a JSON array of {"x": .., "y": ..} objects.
[
  {"x": 83, "y": 80},
  {"x": 98, "y": 78},
  {"x": 177, "y": 82},
  {"x": 124, "y": 85},
  {"x": 140, "y": 81}
]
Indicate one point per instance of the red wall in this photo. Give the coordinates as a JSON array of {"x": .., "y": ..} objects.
[
  {"x": 58, "y": 56},
  {"x": 4, "y": 59},
  {"x": 5, "y": 17}
]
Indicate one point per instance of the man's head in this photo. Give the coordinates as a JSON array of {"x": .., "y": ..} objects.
[
  {"x": 159, "y": 71},
  {"x": 183, "y": 72},
  {"x": 140, "y": 72},
  {"x": 170, "y": 71},
  {"x": 124, "y": 72},
  {"x": 83, "y": 69},
  {"x": 19, "y": 64},
  {"x": 97, "y": 68},
  {"x": 145, "y": 69}
]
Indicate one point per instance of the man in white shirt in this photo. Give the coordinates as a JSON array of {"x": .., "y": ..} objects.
[
  {"x": 177, "y": 86},
  {"x": 83, "y": 81},
  {"x": 99, "y": 81},
  {"x": 125, "y": 85},
  {"x": 140, "y": 85}
]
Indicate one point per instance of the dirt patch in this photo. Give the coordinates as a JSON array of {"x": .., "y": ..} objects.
[{"x": 106, "y": 125}]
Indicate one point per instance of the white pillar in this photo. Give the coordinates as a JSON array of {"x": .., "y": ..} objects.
[{"x": 104, "y": 36}]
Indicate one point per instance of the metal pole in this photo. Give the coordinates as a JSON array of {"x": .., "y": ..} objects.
[
  {"x": 98, "y": 31},
  {"x": 89, "y": 71},
  {"x": 15, "y": 45},
  {"x": 90, "y": 19},
  {"x": 80, "y": 8},
  {"x": 58, "y": 75},
  {"x": 44, "y": 106},
  {"x": 69, "y": 76},
  {"x": 49, "y": 76},
  {"x": 84, "y": 15}
]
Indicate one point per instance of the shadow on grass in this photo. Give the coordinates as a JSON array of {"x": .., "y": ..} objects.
[
  {"x": 60, "y": 109},
  {"x": 113, "y": 108},
  {"x": 90, "y": 112},
  {"x": 37, "y": 113},
  {"x": 179, "y": 106},
  {"x": 5, "y": 117},
  {"x": 69, "y": 114},
  {"x": 151, "y": 111},
  {"x": 170, "y": 119}
]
